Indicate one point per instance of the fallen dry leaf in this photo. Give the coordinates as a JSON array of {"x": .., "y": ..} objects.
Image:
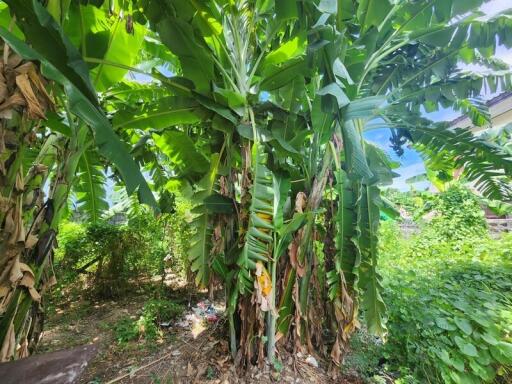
[{"x": 190, "y": 369}]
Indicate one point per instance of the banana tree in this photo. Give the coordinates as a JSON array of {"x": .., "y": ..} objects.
[
  {"x": 284, "y": 92},
  {"x": 31, "y": 222}
]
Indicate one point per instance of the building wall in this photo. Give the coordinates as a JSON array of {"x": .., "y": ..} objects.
[
  {"x": 500, "y": 109},
  {"x": 501, "y": 114}
]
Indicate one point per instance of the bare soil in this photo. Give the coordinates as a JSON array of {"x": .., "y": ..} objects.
[{"x": 179, "y": 356}]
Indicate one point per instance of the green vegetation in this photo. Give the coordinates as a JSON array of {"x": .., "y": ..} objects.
[
  {"x": 147, "y": 325},
  {"x": 450, "y": 308},
  {"x": 113, "y": 257},
  {"x": 449, "y": 299},
  {"x": 239, "y": 127}
]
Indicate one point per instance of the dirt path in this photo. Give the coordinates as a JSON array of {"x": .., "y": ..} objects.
[{"x": 184, "y": 354}]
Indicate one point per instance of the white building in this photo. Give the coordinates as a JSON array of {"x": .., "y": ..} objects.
[{"x": 500, "y": 108}]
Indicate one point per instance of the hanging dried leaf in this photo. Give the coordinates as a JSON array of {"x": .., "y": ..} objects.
[
  {"x": 263, "y": 287},
  {"x": 26, "y": 269},
  {"x": 5, "y": 299},
  {"x": 18, "y": 235},
  {"x": 5, "y": 268},
  {"x": 2, "y": 142},
  {"x": 22, "y": 351},
  {"x": 223, "y": 186},
  {"x": 30, "y": 241},
  {"x": 16, "y": 273},
  {"x": 5, "y": 204},
  {"x": 14, "y": 60},
  {"x": 25, "y": 68},
  {"x": 9, "y": 345},
  {"x": 34, "y": 109},
  {"x": 217, "y": 240},
  {"x": 297, "y": 317},
  {"x": 3, "y": 88},
  {"x": 19, "y": 185},
  {"x": 28, "y": 282},
  {"x": 300, "y": 202},
  {"x": 39, "y": 84},
  {"x": 336, "y": 352},
  {"x": 9, "y": 226},
  {"x": 264, "y": 279},
  {"x": 293, "y": 251},
  {"x": 5, "y": 294},
  {"x": 16, "y": 100},
  {"x": 4, "y": 291}
]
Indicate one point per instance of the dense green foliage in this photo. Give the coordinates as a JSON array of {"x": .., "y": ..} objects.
[
  {"x": 449, "y": 296},
  {"x": 115, "y": 255},
  {"x": 452, "y": 216}
]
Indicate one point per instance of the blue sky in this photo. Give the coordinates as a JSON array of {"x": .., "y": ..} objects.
[{"x": 411, "y": 161}]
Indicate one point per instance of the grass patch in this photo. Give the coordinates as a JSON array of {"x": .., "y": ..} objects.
[{"x": 146, "y": 326}]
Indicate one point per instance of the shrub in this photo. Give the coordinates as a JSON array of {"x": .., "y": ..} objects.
[
  {"x": 126, "y": 330},
  {"x": 364, "y": 357},
  {"x": 450, "y": 311},
  {"x": 117, "y": 255},
  {"x": 147, "y": 325},
  {"x": 112, "y": 253},
  {"x": 458, "y": 215},
  {"x": 74, "y": 248},
  {"x": 162, "y": 310}
]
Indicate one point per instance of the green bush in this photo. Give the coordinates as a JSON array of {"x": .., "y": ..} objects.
[
  {"x": 364, "y": 357},
  {"x": 126, "y": 330},
  {"x": 453, "y": 215},
  {"x": 74, "y": 247},
  {"x": 162, "y": 310},
  {"x": 458, "y": 216},
  {"x": 450, "y": 308},
  {"x": 146, "y": 326},
  {"x": 118, "y": 255},
  {"x": 113, "y": 253},
  {"x": 179, "y": 236}
]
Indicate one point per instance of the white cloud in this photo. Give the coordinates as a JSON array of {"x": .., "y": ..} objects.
[
  {"x": 495, "y": 6},
  {"x": 408, "y": 172}
]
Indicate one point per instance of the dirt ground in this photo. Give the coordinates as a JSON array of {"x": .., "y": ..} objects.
[{"x": 182, "y": 355}]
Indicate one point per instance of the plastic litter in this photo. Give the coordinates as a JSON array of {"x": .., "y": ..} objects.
[
  {"x": 312, "y": 361},
  {"x": 203, "y": 311}
]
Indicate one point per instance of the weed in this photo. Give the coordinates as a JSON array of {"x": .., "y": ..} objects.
[
  {"x": 147, "y": 324},
  {"x": 211, "y": 373},
  {"x": 126, "y": 330},
  {"x": 449, "y": 313}
]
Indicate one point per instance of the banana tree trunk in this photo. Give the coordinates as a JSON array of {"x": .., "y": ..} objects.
[
  {"x": 22, "y": 319},
  {"x": 255, "y": 332},
  {"x": 297, "y": 279},
  {"x": 23, "y": 103},
  {"x": 71, "y": 151}
]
